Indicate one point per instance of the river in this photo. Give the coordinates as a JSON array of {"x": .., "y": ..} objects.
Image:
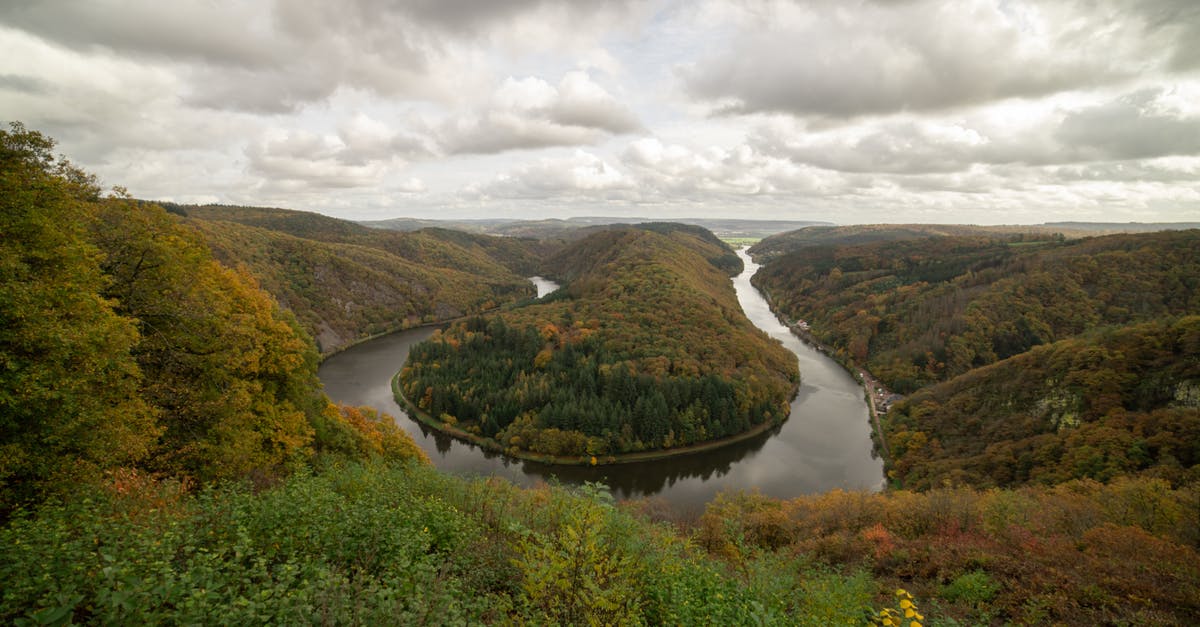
[{"x": 825, "y": 444}]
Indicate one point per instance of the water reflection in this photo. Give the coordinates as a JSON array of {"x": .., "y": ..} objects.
[{"x": 544, "y": 286}]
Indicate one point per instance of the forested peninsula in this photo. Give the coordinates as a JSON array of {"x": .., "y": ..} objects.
[{"x": 645, "y": 351}]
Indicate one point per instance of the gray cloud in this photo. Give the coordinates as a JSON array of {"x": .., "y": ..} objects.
[
  {"x": 1132, "y": 127},
  {"x": 581, "y": 174},
  {"x": 900, "y": 147},
  {"x": 531, "y": 113},
  {"x": 275, "y": 57},
  {"x": 1126, "y": 171},
  {"x": 359, "y": 155},
  {"x": 857, "y": 110},
  {"x": 25, "y": 84},
  {"x": 851, "y": 59},
  {"x": 176, "y": 30},
  {"x": 1177, "y": 21}
]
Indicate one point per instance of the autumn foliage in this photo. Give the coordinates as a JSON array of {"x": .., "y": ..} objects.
[
  {"x": 645, "y": 348},
  {"x": 125, "y": 344},
  {"x": 1080, "y": 553}
]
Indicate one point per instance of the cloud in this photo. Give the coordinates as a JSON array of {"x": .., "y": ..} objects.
[
  {"x": 582, "y": 173},
  {"x": 672, "y": 169},
  {"x": 1134, "y": 126},
  {"x": 901, "y": 146},
  {"x": 531, "y": 113},
  {"x": 366, "y": 139},
  {"x": 217, "y": 33},
  {"x": 1177, "y": 21},
  {"x": 1163, "y": 170},
  {"x": 842, "y": 60},
  {"x": 1138, "y": 125},
  {"x": 649, "y": 171},
  {"x": 359, "y": 155},
  {"x": 25, "y": 84},
  {"x": 275, "y": 57}
]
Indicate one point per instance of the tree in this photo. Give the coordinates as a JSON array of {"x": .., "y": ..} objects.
[
  {"x": 233, "y": 376},
  {"x": 69, "y": 407}
]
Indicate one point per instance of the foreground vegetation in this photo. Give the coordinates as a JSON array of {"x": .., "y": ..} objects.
[
  {"x": 644, "y": 349},
  {"x": 405, "y": 544}
]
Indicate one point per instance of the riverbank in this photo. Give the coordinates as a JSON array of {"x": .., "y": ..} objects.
[
  {"x": 871, "y": 386},
  {"x": 573, "y": 460}
]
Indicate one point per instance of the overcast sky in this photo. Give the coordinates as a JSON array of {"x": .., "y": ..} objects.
[{"x": 850, "y": 111}]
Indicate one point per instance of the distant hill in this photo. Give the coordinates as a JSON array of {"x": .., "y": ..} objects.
[
  {"x": 571, "y": 227},
  {"x": 442, "y": 247},
  {"x": 345, "y": 281},
  {"x": 1124, "y": 227},
  {"x": 782, "y": 243}
]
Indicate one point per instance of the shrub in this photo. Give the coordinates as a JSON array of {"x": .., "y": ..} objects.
[{"x": 975, "y": 588}]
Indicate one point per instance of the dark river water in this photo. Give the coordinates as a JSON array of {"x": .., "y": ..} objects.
[{"x": 825, "y": 444}]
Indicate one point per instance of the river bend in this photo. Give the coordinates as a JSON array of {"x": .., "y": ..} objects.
[{"x": 825, "y": 444}]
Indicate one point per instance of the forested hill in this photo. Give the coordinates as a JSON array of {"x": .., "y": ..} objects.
[
  {"x": 1098, "y": 359},
  {"x": 1118, "y": 401},
  {"x": 780, "y": 244},
  {"x": 125, "y": 345},
  {"x": 920, "y": 311},
  {"x": 583, "y": 257},
  {"x": 645, "y": 349},
  {"x": 345, "y": 282},
  {"x": 486, "y": 255}
]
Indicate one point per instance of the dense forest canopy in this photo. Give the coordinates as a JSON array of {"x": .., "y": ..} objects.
[
  {"x": 1048, "y": 359},
  {"x": 1113, "y": 402},
  {"x": 645, "y": 348},
  {"x": 920, "y": 311}
]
